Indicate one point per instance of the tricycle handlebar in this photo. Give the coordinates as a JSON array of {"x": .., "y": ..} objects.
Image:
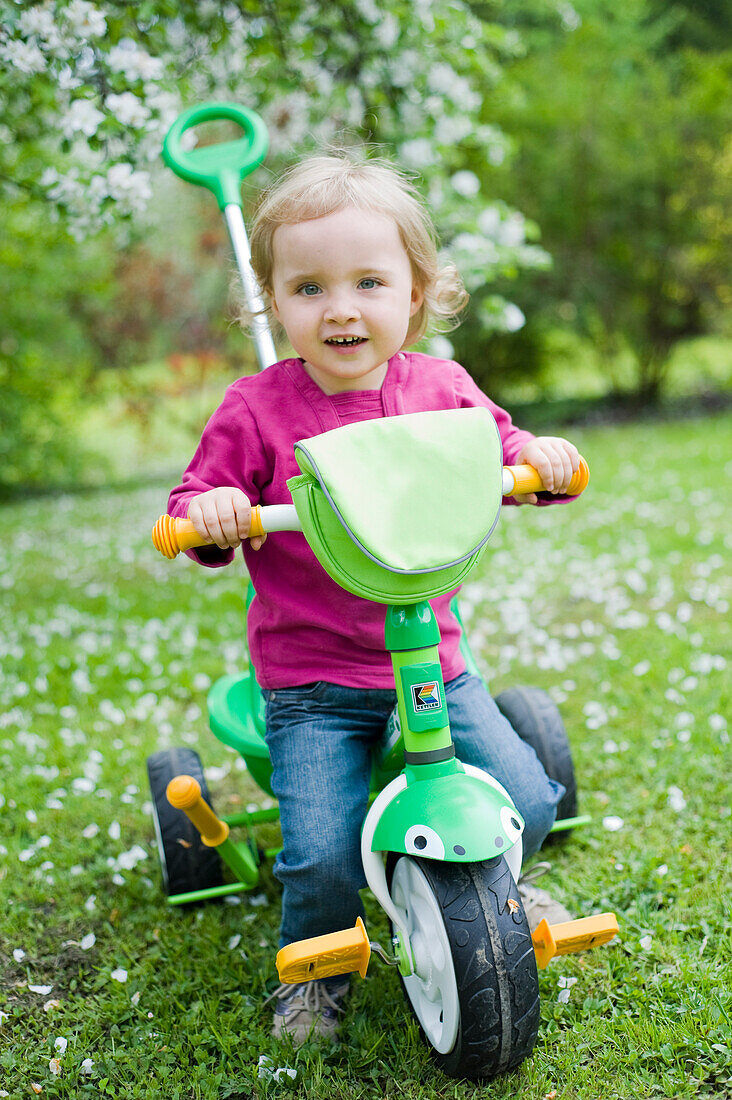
[{"x": 171, "y": 536}]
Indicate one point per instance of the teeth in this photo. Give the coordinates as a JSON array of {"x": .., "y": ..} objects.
[{"x": 346, "y": 341}]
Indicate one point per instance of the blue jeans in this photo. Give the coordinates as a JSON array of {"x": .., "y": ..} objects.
[{"x": 320, "y": 737}]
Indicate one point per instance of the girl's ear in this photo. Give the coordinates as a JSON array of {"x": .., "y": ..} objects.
[
  {"x": 273, "y": 304},
  {"x": 417, "y": 299}
]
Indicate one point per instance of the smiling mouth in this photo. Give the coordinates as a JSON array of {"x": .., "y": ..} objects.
[{"x": 346, "y": 341}]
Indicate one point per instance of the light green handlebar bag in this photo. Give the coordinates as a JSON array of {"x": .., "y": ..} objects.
[{"x": 399, "y": 509}]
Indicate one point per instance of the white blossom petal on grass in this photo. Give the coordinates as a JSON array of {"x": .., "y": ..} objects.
[
  {"x": 646, "y": 942},
  {"x": 258, "y": 899},
  {"x": 662, "y": 870},
  {"x": 565, "y": 986},
  {"x": 91, "y": 903},
  {"x": 612, "y": 823},
  {"x": 87, "y": 941},
  {"x": 267, "y": 1072},
  {"x": 87, "y": 1066},
  {"x": 234, "y": 941},
  {"x": 61, "y": 1044},
  {"x": 127, "y": 860},
  {"x": 90, "y": 831},
  {"x": 18, "y": 954},
  {"x": 55, "y": 1067},
  {"x": 676, "y": 799},
  {"x": 42, "y": 990},
  {"x": 114, "y": 831},
  {"x": 119, "y": 975},
  {"x": 50, "y": 1005}
]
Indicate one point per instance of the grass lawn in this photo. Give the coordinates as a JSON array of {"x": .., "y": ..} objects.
[{"x": 618, "y": 605}]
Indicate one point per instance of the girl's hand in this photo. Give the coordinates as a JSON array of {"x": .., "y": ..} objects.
[
  {"x": 223, "y": 516},
  {"x": 556, "y": 459}
]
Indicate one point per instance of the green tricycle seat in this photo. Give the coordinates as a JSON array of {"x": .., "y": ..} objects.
[{"x": 236, "y": 717}]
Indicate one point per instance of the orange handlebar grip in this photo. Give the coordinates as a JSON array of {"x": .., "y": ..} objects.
[
  {"x": 184, "y": 792},
  {"x": 171, "y": 536},
  {"x": 255, "y": 526},
  {"x": 526, "y": 480}
]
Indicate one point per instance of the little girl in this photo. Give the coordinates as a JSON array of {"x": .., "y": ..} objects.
[{"x": 345, "y": 255}]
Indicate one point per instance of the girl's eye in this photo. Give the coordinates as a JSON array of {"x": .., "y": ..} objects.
[
  {"x": 368, "y": 283},
  {"x": 309, "y": 289}
]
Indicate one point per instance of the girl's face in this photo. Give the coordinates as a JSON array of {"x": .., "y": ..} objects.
[{"x": 343, "y": 289}]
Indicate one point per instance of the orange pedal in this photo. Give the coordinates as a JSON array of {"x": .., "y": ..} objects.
[
  {"x": 572, "y": 936},
  {"x": 324, "y": 956}
]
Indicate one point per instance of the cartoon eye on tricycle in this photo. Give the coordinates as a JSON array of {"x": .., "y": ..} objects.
[{"x": 441, "y": 844}]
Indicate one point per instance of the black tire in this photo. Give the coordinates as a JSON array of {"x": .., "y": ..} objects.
[
  {"x": 186, "y": 863},
  {"x": 535, "y": 717},
  {"x": 493, "y": 961}
]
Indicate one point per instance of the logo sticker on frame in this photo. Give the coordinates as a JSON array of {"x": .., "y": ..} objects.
[{"x": 426, "y": 696}]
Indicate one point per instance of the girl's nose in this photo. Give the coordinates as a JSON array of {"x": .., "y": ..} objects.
[{"x": 341, "y": 308}]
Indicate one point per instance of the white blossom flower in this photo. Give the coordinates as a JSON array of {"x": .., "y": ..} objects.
[
  {"x": 87, "y": 1066},
  {"x": 81, "y": 118},
  {"x": 513, "y": 319},
  {"x": 61, "y": 1043},
  {"x": 55, "y": 1066},
  {"x": 42, "y": 990},
  {"x": 24, "y": 56},
  {"x": 87, "y": 941},
  {"x": 119, "y": 975},
  {"x": 86, "y": 20},
  {"x": 18, "y": 954},
  {"x": 128, "y": 109},
  {"x": 136, "y": 64},
  {"x": 38, "y": 21},
  {"x": 417, "y": 153},
  {"x": 612, "y": 823},
  {"x": 466, "y": 184},
  {"x": 130, "y": 188}
]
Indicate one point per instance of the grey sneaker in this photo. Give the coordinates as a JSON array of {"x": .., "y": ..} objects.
[
  {"x": 309, "y": 1010},
  {"x": 539, "y": 904}
]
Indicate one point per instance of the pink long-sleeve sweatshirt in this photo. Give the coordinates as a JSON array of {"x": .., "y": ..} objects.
[{"x": 301, "y": 626}]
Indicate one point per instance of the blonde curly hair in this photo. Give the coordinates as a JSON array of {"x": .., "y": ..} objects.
[{"x": 326, "y": 183}]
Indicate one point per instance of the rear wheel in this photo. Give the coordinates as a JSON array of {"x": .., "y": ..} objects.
[
  {"x": 185, "y": 861},
  {"x": 475, "y": 990},
  {"x": 536, "y": 719}
]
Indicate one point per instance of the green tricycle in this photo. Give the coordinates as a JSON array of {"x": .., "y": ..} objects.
[{"x": 441, "y": 842}]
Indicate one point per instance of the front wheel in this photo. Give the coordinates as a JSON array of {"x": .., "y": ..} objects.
[{"x": 475, "y": 990}]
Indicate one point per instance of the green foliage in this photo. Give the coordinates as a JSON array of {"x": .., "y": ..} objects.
[
  {"x": 624, "y": 160},
  {"x": 618, "y": 607},
  {"x": 45, "y": 360}
]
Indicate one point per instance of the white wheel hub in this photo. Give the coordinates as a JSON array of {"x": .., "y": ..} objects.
[{"x": 432, "y": 988}]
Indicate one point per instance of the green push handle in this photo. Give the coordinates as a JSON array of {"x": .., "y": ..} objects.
[{"x": 221, "y": 167}]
